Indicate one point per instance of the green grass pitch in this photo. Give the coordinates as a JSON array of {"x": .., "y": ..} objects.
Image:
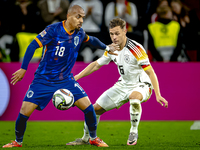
[{"x": 153, "y": 135}]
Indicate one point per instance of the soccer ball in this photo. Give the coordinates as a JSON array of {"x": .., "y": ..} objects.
[{"x": 63, "y": 99}]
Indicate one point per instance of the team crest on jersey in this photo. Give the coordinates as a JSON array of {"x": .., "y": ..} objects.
[
  {"x": 30, "y": 94},
  {"x": 76, "y": 40},
  {"x": 126, "y": 58}
]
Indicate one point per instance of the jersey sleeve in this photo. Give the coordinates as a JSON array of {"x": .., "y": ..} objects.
[
  {"x": 142, "y": 58},
  {"x": 105, "y": 59},
  {"x": 45, "y": 36},
  {"x": 86, "y": 38},
  {"x": 94, "y": 42}
]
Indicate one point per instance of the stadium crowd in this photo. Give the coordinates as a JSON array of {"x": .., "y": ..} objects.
[{"x": 177, "y": 34}]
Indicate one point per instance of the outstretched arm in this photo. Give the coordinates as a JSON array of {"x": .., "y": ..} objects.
[
  {"x": 94, "y": 66},
  {"x": 96, "y": 43},
  {"x": 19, "y": 74},
  {"x": 150, "y": 72}
]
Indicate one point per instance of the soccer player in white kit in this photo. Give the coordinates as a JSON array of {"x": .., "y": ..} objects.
[{"x": 137, "y": 79}]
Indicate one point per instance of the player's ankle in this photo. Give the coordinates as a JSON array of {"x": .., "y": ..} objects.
[
  {"x": 134, "y": 131},
  {"x": 85, "y": 138},
  {"x": 20, "y": 143},
  {"x": 92, "y": 138}
]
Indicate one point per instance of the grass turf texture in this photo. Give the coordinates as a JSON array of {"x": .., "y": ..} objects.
[{"x": 153, "y": 135}]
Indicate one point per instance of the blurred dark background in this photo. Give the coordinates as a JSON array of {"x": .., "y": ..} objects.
[{"x": 19, "y": 17}]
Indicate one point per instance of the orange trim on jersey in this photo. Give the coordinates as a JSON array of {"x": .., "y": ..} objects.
[
  {"x": 38, "y": 41},
  {"x": 106, "y": 53},
  {"x": 146, "y": 67},
  {"x": 87, "y": 39},
  {"x": 44, "y": 52},
  {"x": 66, "y": 28},
  {"x": 139, "y": 53},
  {"x": 143, "y": 53}
]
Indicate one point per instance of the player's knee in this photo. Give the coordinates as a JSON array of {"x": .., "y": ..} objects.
[
  {"x": 98, "y": 109},
  {"x": 136, "y": 95},
  {"x": 27, "y": 108},
  {"x": 25, "y": 112}
]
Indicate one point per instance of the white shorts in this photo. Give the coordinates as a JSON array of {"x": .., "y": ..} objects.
[{"x": 118, "y": 95}]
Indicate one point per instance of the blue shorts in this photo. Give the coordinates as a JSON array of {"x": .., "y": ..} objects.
[{"x": 41, "y": 93}]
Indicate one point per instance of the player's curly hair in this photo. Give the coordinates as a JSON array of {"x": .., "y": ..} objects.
[{"x": 117, "y": 22}]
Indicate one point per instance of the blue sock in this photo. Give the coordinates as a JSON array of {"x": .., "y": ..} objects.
[
  {"x": 20, "y": 127},
  {"x": 91, "y": 121}
]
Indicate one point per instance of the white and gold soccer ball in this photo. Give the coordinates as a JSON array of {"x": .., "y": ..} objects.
[{"x": 63, "y": 99}]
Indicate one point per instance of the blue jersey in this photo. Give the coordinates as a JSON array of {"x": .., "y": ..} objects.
[{"x": 60, "y": 51}]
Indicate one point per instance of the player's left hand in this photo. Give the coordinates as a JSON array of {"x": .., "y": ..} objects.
[{"x": 162, "y": 100}]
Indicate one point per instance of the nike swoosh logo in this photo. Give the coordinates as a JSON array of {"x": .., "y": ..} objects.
[
  {"x": 131, "y": 142},
  {"x": 61, "y": 41}
]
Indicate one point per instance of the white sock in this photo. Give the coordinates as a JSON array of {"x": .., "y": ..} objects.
[
  {"x": 86, "y": 134},
  {"x": 20, "y": 143},
  {"x": 135, "y": 114}
]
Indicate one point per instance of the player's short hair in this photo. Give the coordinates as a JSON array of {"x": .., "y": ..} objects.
[
  {"x": 73, "y": 7},
  {"x": 117, "y": 22}
]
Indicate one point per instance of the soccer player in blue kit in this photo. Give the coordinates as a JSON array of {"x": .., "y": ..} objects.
[{"x": 61, "y": 42}]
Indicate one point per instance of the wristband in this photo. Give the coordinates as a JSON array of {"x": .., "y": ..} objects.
[{"x": 107, "y": 48}]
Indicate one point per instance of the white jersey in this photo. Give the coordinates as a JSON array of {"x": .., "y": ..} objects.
[{"x": 132, "y": 61}]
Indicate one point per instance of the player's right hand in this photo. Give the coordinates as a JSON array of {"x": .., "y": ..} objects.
[
  {"x": 18, "y": 76},
  {"x": 76, "y": 77},
  {"x": 113, "y": 47}
]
